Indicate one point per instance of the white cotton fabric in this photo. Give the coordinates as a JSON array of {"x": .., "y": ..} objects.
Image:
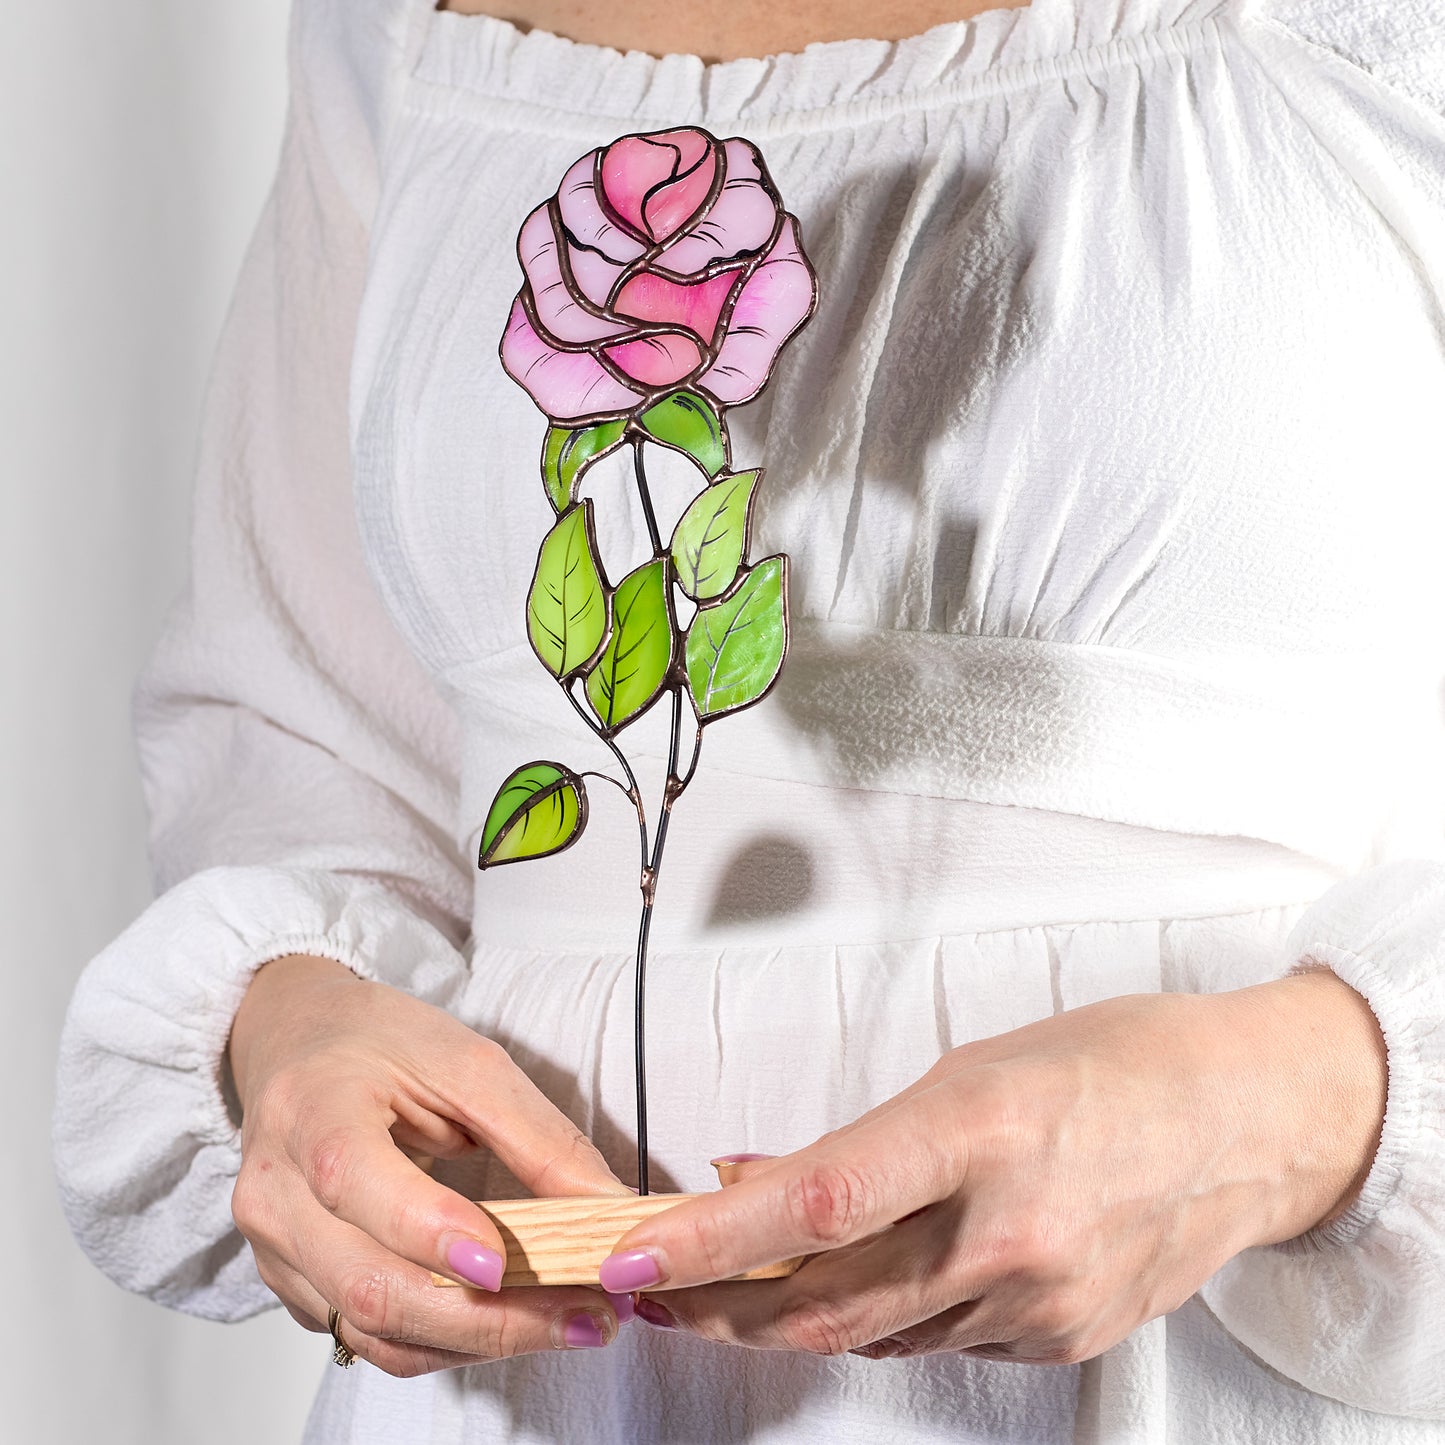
[{"x": 1110, "y": 471}]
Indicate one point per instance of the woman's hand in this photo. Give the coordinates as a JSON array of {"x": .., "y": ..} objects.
[
  {"x": 346, "y": 1086},
  {"x": 1039, "y": 1195}
]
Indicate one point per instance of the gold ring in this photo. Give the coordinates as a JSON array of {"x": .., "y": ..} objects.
[{"x": 343, "y": 1355}]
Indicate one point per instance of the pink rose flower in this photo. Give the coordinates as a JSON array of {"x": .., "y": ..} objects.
[{"x": 664, "y": 260}]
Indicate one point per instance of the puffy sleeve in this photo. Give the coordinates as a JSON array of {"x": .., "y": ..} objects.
[
  {"x": 1353, "y": 1310},
  {"x": 1398, "y": 43},
  {"x": 1366, "y": 83},
  {"x": 298, "y": 764}
]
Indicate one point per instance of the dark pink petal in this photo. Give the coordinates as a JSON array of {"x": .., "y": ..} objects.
[
  {"x": 674, "y": 205},
  {"x": 692, "y": 145},
  {"x": 567, "y": 385},
  {"x": 773, "y": 303},
  {"x": 655, "y": 182},
  {"x": 656, "y": 360},
  {"x": 738, "y": 223},
  {"x": 557, "y": 310},
  {"x": 651, "y": 297},
  {"x": 584, "y": 218}
]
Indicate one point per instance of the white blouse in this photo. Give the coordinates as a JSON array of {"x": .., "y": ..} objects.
[{"x": 1110, "y": 471}]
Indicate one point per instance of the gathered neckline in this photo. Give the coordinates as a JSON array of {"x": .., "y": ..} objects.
[
  {"x": 580, "y": 82},
  {"x": 585, "y": 50}
]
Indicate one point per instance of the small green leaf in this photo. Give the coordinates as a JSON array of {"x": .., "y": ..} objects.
[
  {"x": 712, "y": 535},
  {"x": 567, "y": 452},
  {"x": 635, "y": 663},
  {"x": 540, "y": 809},
  {"x": 567, "y": 606},
  {"x": 688, "y": 421},
  {"x": 735, "y": 646}
]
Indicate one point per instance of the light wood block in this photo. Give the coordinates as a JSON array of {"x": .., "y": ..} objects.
[{"x": 563, "y": 1241}]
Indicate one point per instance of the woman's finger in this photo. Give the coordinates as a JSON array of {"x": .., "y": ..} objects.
[
  {"x": 840, "y": 1299},
  {"x": 733, "y": 1168},
  {"x": 1039, "y": 1326},
  {"x": 356, "y": 1172},
  {"x": 306, "y": 1306},
  {"x": 819, "y": 1198},
  {"x": 395, "y": 1300},
  {"x": 482, "y": 1087}
]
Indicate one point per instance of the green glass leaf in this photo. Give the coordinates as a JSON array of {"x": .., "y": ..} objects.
[
  {"x": 567, "y": 452},
  {"x": 540, "y": 809},
  {"x": 635, "y": 663},
  {"x": 567, "y": 606},
  {"x": 689, "y": 422},
  {"x": 735, "y": 646},
  {"x": 712, "y": 535}
]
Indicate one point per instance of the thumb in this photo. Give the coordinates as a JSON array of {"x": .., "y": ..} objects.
[{"x": 733, "y": 1168}]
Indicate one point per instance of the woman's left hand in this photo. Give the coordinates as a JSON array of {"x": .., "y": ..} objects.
[{"x": 1039, "y": 1195}]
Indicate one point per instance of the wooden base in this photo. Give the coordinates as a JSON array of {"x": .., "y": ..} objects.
[{"x": 563, "y": 1241}]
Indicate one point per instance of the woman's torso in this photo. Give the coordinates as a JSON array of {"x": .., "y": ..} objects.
[
  {"x": 1104, "y": 466},
  {"x": 1101, "y": 471}
]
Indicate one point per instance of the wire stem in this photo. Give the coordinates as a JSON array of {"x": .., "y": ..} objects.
[
  {"x": 686, "y": 778},
  {"x": 651, "y": 865},
  {"x": 608, "y": 778},
  {"x": 646, "y": 497},
  {"x": 671, "y": 791},
  {"x": 632, "y": 790}
]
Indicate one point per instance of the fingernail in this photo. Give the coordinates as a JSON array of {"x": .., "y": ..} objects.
[
  {"x": 655, "y": 1315},
  {"x": 622, "y": 1304},
  {"x": 582, "y": 1332},
  {"x": 879, "y": 1350},
  {"x": 737, "y": 1158},
  {"x": 634, "y": 1269},
  {"x": 475, "y": 1263}
]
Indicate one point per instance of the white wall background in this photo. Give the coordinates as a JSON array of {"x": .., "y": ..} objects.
[{"x": 137, "y": 142}]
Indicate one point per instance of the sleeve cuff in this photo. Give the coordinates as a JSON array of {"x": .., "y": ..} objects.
[
  {"x": 145, "y": 1144},
  {"x": 1383, "y": 933},
  {"x": 1351, "y": 1309}
]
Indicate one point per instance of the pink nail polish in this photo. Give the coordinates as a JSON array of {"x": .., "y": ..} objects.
[
  {"x": 475, "y": 1263},
  {"x": 634, "y": 1269},
  {"x": 623, "y": 1305},
  {"x": 582, "y": 1332},
  {"x": 655, "y": 1315},
  {"x": 737, "y": 1158}
]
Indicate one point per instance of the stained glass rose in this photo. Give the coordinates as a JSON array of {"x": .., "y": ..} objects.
[{"x": 664, "y": 260}]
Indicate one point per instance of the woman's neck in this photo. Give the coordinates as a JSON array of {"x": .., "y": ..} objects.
[{"x": 720, "y": 32}]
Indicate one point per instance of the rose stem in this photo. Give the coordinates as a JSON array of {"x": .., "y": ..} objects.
[
  {"x": 646, "y": 496},
  {"x": 633, "y": 792},
  {"x": 672, "y": 790}
]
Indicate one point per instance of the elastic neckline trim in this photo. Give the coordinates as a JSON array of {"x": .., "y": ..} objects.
[{"x": 486, "y": 68}]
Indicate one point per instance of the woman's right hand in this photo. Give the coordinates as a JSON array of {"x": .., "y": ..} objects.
[{"x": 343, "y": 1085}]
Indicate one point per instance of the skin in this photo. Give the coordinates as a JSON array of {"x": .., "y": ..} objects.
[
  {"x": 1039, "y": 1195},
  {"x": 1033, "y": 1197},
  {"x": 348, "y": 1090},
  {"x": 726, "y": 32}
]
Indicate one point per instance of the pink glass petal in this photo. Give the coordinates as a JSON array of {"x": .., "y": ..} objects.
[
  {"x": 593, "y": 274},
  {"x": 692, "y": 145},
  {"x": 739, "y": 222},
  {"x": 773, "y": 302},
  {"x": 630, "y": 168},
  {"x": 567, "y": 385},
  {"x": 672, "y": 206},
  {"x": 557, "y": 310},
  {"x": 651, "y": 297},
  {"x": 677, "y": 165},
  {"x": 657, "y": 360},
  {"x": 583, "y": 216}
]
